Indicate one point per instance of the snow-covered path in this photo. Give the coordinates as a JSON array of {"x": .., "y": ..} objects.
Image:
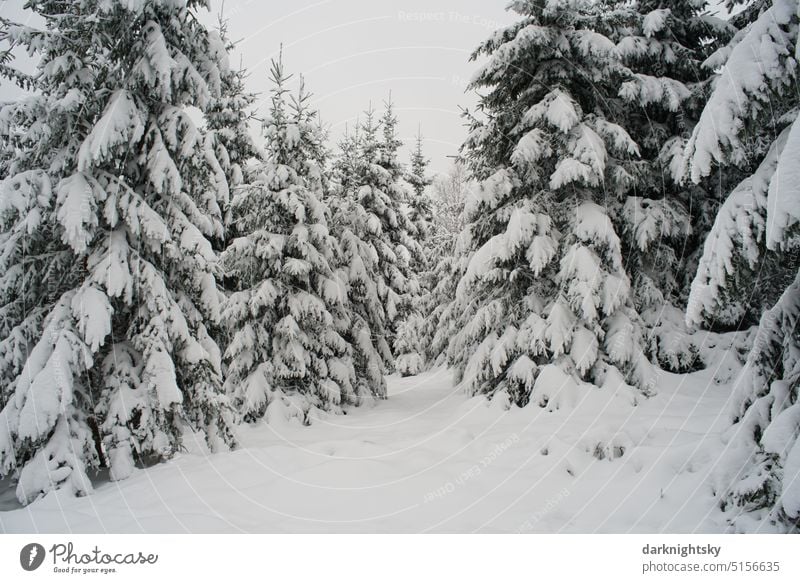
[{"x": 432, "y": 459}]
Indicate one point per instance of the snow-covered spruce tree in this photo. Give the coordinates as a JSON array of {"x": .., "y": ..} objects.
[
  {"x": 375, "y": 236},
  {"x": 357, "y": 266},
  {"x": 545, "y": 295},
  {"x": 419, "y": 202},
  {"x": 344, "y": 169},
  {"x": 445, "y": 259},
  {"x": 109, "y": 274},
  {"x": 229, "y": 145},
  {"x": 440, "y": 303},
  {"x": 754, "y": 100},
  {"x": 229, "y": 149},
  {"x": 448, "y": 197},
  {"x": 405, "y": 329},
  {"x": 287, "y": 355},
  {"x": 411, "y": 342},
  {"x": 389, "y": 176},
  {"x": 664, "y": 45},
  {"x": 36, "y": 266}
]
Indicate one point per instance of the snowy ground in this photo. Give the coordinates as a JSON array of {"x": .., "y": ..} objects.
[{"x": 432, "y": 459}]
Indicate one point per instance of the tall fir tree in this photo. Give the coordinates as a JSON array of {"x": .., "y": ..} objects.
[
  {"x": 376, "y": 238},
  {"x": 404, "y": 328},
  {"x": 402, "y": 232},
  {"x": 344, "y": 168},
  {"x": 357, "y": 263},
  {"x": 445, "y": 256},
  {"x": 109, "y": 275},
  {"x": 287, "y": 354},
  {"x": 410, "y": 339},
  {"x": 229, "y": 145},
  {"x": 753, "y": 246},
  {"x": 420, "y": 202},
  {"x": 229, "y": 150},
  {"x": 546, "y": 287},
  {"x": 664, "y": 45}
]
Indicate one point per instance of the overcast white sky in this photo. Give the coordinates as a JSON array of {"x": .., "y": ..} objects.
[
  {"x": 356, "y": 51},
  {"x": 352, "y": 52}
]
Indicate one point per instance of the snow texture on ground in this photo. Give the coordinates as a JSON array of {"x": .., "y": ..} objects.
[{"x": 432, "y": 459}]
